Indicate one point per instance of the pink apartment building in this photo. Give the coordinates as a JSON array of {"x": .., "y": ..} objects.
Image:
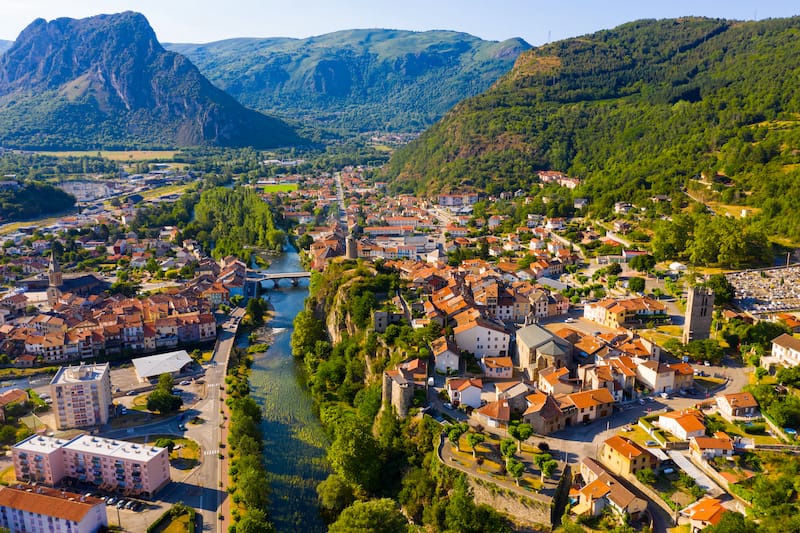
[{"x": 125, "y": 467}]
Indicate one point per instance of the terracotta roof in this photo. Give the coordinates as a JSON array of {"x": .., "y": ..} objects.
[
  {"x": 463, "y": 384},
  {"x": 739, "y": 399},
  {"x": 624, "y": 447},
  {"x": 552, "y": 375},
  {"x": 684, "y": 369},
  {"x": 689, "y": 420},
  {"x": 498, "y": 362},
  {"x": 13, "y": 395},
  {"x": 48, "y": 502},
  {"x": 498, "y": 410},
  {"x": 706, "y": 509},
  {"x": 713, "y": 443},
  {"x": 591, "y": 398}
]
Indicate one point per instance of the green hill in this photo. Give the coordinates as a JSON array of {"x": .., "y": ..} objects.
[
  {"x": 357, "y": 80},
  {"x": 635, "y": 111},
  {"x": 105, "y": 81}
]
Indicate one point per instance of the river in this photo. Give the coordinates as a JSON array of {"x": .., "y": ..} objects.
[{"x": 294, "y": 441}]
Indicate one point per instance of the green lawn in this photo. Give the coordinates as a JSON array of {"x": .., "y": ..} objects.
[
  {"x": 179, "y": 524},
  {"x": 278, "y": 187},
  {"x": 734, "y": 430}
]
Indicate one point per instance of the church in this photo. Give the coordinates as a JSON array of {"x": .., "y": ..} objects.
[{"x": 79, "y": 285}]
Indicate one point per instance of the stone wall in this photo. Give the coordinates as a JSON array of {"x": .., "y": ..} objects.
[{"x": 523, "y": 510}]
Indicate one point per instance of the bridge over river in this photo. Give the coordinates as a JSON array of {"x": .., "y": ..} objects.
[{"x": 255, "y": 281}]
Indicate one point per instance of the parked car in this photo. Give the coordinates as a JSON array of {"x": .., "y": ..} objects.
[
  {"x": 651, "y": 443},
  {"x": 706, "y": 363},
  {"x": 448, "y": 405},
  {"x": 182, "y": 427},
  {"x": 569, "y": 320},
  {"x": 132, "y": 393},
  {"x": 121, "y": 504},
  {"x": 111, "y": 501},
  {"x": 185, "y": 382}
]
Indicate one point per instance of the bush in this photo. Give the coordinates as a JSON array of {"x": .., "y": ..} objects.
[{"x": 755, "y": 428}]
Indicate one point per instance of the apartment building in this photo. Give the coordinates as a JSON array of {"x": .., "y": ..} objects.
[
  {"x": 81, "y": 395},
  {"x": 33, "y": 509},
  {"x": 132, "y": 469}
]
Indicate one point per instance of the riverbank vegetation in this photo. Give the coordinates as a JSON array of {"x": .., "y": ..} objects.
[
  {"x": 381, "y": 463},
  {"x": 248, "y": 477}
]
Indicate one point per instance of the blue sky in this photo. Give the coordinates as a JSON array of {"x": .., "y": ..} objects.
[{"x": 535, "y": 21}]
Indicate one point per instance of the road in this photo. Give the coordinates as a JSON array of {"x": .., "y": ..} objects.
[
  {"x": 340, "y": 198},
  {"x": 204, "y": 486}
]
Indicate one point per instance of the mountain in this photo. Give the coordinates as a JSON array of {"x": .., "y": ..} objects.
[
  {"x": 5, "y": 45},
  {"x": 105, "y": 81},
  {"x": 635, "y": 111},
  {"x": 358, "y": 80}
]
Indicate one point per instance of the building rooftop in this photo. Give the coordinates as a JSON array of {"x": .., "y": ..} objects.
[
  {"x": 79, "y": 374},
  {"x": 40, "y": 444},
  {"x": 48, "y": 502},
  {"x": 163, "y": 363},
  {"x": 115, "y": 448}
]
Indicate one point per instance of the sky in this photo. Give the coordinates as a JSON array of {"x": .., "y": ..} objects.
[{"x": 536, "y": 21}]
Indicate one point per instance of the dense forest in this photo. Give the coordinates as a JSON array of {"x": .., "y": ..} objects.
[
  {"x": 232, "y": 221},
  {"x": 32, "y": 200},
  {"x": 650, "y": 107}
]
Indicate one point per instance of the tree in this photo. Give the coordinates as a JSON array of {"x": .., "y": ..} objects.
[
  {"x": 255, "y": 310},
  {"x": 473, "y": 439},
  {"x": 166, "y": 382},
  {"x": 455, "y": 433},
  {"x": 250, "y": 485},
  {"x": 732, "y": 522},
  {"x": 508, "y": 447},
  {"x": 636, "y": 284},
  {"x": 335, "y": 494},
  {"x": 8, "y": 434},
  {"x": 515, "y": 468},
  {"x": 642, "y": 263},
  {"x": 724, "y": 291},
  {"x": 761, "y": 372},
  {"x": 548, "y": 468},
  {"x": 163, "y": 402},
  {"x": 646, "y": 476},
  {"x": 374, "y": 516},
  {"x": 164, "y": 442},
  {"x": 354, "y": 454},
  {"x": 254, "y": 521},
  {"x": 521, "y": 432},
  {"x": 614, "y": 269}
]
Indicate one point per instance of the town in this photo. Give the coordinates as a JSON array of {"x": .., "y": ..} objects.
[{"x": 598, "y": 365}]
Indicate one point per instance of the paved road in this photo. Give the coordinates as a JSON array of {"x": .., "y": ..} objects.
[{"x": 204, "y": 486}]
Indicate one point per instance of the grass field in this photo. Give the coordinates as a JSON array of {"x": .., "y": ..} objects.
[
  {"x": 278, "y": 187},
  {"x": 119, "y": 155},
  {"x": 162, "y": 191}
]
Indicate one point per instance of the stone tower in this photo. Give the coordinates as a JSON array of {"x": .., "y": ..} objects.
[
  {"x": 351, "y": 247},
  {"x": 54, "y": 281},
  {"x": 699, "y": 312}
]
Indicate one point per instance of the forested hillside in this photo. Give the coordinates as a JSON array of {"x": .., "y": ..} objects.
[
  {"x": 32, "y": 200},
  {"x": 356, "y": 80},
  {"x": 635, "y": 111}
]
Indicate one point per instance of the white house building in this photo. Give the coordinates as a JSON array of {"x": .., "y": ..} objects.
[
  {"x": 29, "y": 508},
  {"x": 482, "y": 338}
]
